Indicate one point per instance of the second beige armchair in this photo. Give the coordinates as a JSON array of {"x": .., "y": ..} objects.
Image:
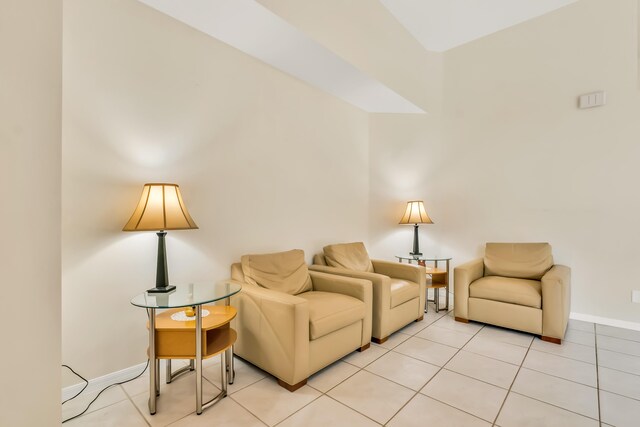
[
  {"x": 292, "y": 322},
  {"x": 398, "y": 289}
]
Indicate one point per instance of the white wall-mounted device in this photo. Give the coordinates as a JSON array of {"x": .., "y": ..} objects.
[{"x": 593, "y": 99}]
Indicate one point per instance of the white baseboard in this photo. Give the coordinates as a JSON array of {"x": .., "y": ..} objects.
[
  {"x": 606, "y": 321},
  {"x": 97, "y": 384}
]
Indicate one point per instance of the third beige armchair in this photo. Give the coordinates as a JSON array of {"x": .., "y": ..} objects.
[{"x": 517, "y": 286}]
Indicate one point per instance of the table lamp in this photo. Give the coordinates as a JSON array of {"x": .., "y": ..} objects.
[
  {"x": 415, "y": 214},
  {"x": 160, "y": 208}
]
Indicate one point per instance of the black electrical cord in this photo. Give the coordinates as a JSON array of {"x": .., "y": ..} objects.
[
  {"x": 101, "y": 391},
  {"x": 86, "y": 383}
]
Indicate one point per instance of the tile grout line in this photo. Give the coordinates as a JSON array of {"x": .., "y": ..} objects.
[
  {"x": 565, "y": 379},
  {"x": 388, "y": 351},
  {"x": 353, "y": 409},
  {"x": 248, "y": 410},
  {"x": 619, "y": 352},
  {"x": 565, "y": 357},
  {"x": 451, "y": 406},
  {"x": 621, "y": 371},
  {"x": 435, "y": 375},
  {"x": 134, "y": 405},
  {"x": 181, "y": 418},
  {"x": 554, "y": 405},
  {"x": 506, "y": 396},
  {"x": 613, "y": 336},
  {"x": 330, "y": 397},
  {"x": 595, "y": 333}
]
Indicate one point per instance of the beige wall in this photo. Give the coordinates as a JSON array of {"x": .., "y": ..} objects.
[
  {"x": 30, "y": 116},
  {"x": 520, "y": 162},
  {"x": 265, "y": 163}
]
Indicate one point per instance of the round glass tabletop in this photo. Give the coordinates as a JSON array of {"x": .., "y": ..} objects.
[
  {"x": 422, "y": 258},
  {"x": 187, "y": 295}
]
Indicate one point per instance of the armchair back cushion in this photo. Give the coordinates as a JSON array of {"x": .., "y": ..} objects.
[
  {"x": 520, "y": 260},
  {"x": 352, "y": 256},
  {"x": 283, "y": 271}
]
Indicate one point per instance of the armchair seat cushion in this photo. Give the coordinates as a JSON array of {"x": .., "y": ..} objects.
[
  {"x": 403, "y": 291},
  {"x": 507, "y": 289},
  {"x": 329, "y": 312}
]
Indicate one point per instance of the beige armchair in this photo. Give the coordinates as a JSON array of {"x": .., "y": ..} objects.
[
  {"x": 292, "y": 322},
  {"x": 398, "y": 289},
  {"x": 517, "y": 286}
]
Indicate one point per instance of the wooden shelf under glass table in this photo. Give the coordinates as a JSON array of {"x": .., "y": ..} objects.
[{"x": 437, "y": 277}]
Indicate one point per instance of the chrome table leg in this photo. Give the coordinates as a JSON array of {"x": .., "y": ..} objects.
[
  {"x": 198, "y": 359},
  {"x": 152, "y": 361}
]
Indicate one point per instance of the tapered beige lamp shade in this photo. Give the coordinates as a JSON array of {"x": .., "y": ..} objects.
[
  {"x": 415, "y": 214},
  {"x": 160, "y": 208}
]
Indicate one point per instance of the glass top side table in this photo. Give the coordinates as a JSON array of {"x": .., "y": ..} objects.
[
  {"x": 438, "y": 277},
  {"x": 187, "y": 295}
]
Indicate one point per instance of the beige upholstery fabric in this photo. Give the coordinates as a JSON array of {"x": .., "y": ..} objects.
[
  {"x": 518, "y": 301},
  {"x": 283, "y": 271},
  {"x": 294, "y": 336},
  {"x": 403, "y": 291},
  {"x": 512, "y": 316},
  {"x": 556, "y": 301},
  {"x": 507, "y": 289},
  {"x": 352, "y": 256},
  {"x": 463, "y": 276},
  {"x": 398, "y": 292},
  {"x": 520, "y": 260},
  {"x": 329, "y": 312}
]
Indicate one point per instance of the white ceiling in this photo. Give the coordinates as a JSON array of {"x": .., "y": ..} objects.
[
  {"x": 440, "y": 25},
  {"x": 255, "y": 30}
]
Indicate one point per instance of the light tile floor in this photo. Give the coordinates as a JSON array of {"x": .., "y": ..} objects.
[{"x": 436, "y": 371}]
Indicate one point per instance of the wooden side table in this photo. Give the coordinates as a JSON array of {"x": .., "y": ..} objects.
[
  {"x": 176, "y": 339},
  {"x": 437, "y": 277}
]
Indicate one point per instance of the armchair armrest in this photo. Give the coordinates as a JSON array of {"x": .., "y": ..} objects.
[
  {"x": 463, "y": 276},
  {"x": 273, "y": 331},
  {"x": 379, "y": 282},
  {"x": 357, "y": 288},
  {"x": 413, "y": 273},
  {"x": 556, "y": 301}
]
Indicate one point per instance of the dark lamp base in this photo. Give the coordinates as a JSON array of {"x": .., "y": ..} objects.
[
  {"x": 161, "y": 290},
  {"x": 415, "y": 254}
]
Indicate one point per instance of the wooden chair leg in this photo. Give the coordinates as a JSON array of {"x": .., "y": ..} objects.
[
  {"x": 293, "y": 387},
  {"x": 551, "y": 339},
  {"x": 364, "y": 347}
]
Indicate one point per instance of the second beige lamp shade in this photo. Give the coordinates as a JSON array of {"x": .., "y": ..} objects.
[{"x": 415, "y": 214}]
